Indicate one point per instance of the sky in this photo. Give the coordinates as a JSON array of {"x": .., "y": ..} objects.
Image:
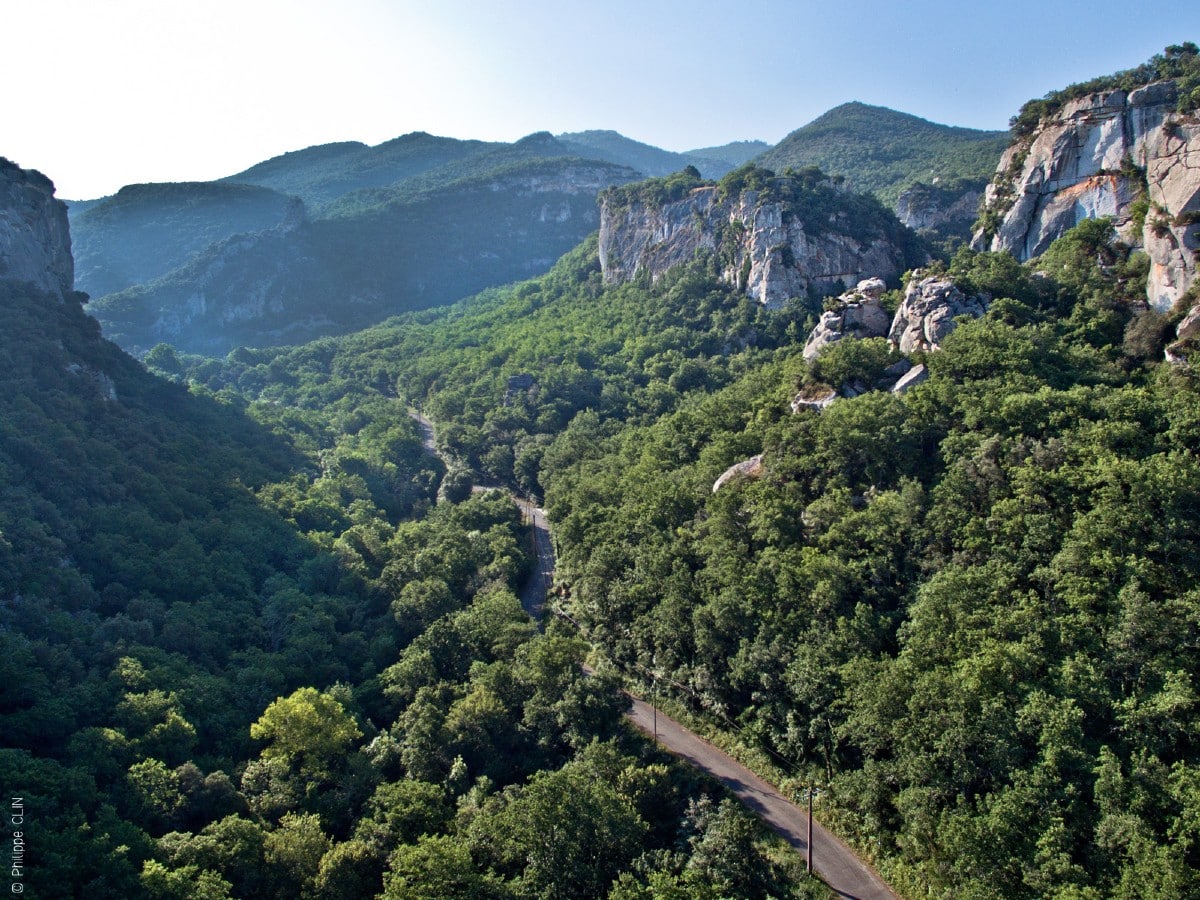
[{"x": 103, "y": 93}]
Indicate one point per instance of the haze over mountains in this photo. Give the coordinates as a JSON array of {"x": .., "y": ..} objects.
[{"x": 257, "y": 258}]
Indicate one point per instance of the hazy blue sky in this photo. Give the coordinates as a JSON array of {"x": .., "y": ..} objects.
[{"x": 101, "y": 93}]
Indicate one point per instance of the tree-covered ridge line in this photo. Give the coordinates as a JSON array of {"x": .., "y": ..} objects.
[
  {"x": 881, "y": 151},
  {"x": 1178, "y": 62}
]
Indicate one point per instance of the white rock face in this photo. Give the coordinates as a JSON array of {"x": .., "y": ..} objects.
[
  {"x": 749, "y": 468},
  {"x": 910, "y": 379},
  {"x": 858, "y": 314},
  {"x": 769, "y": 254},
  {"x": 1077, "y": 165},
  {"x": 816, "y": 399},
  {"x": 1185, "y": 336},
  {"x": 928, "y": 312},
  {"x": 919, "y": 211},
  {"x": 35, "y": 239}
]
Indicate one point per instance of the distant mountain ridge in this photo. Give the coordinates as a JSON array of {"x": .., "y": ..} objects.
[
  {"x": 384, "y": 253},
  {"x": 653, "y": 161},
  {"x": 416, "y": 221},
  {"x": 323, "y": 173},
  {"x": 171, "y": 222},
  {"x": 882, "y": 151}
]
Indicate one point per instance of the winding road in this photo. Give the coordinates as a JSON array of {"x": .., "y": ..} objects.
[{"x": 836, "y": 864}]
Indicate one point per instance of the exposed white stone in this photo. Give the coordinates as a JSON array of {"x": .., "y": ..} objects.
[
  {"x": 773, "y": 257},
  {"x": 910, "y": 379},
  {"x": 1076, "y": 166},
  {"x": 749, "y": 468},
  {"x": 927, "y": 314},
  {"x": 814, "y": 398}
]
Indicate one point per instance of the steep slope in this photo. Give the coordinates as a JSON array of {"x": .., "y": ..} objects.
[
  {"x": 376, "y": 254},
  {"x": 774, "y": 237},
  {"x": 146, "y": 230},
  {"x": 881, "y": 151},
  {"x": 35, "y": 237}
]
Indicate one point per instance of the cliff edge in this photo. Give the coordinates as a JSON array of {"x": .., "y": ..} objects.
[
  {"x": 1130, "y": 155},
  {"x": 35, "y": 239}
]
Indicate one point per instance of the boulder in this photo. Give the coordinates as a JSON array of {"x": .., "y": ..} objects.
[
  {"x": 815, "y": 397},
  {"x": 857, "y": 314},
  {"x": 928, "y": 311},
  {"x": 910, "y": 379},
  {"x": 749, "y": 468}
]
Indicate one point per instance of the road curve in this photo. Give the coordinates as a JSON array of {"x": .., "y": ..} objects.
[
  {"x": 836, "y": 864},
  {"x": 846, "y": 874}
]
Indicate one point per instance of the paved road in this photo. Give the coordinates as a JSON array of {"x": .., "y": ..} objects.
[
  {"x": 426, "y": 426},
  {"x": 836, "y": 863},
  {"x": 533, "y": 595}
]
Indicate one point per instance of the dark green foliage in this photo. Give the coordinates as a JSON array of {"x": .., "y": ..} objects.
[{"x": 245, "y": 656}]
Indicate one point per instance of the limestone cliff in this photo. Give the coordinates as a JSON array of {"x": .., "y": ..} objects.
[
  {"x": 779, "y": 241},
  {"x": 35, "y": 239},
  {"x": 1128, "y": 155},
  {"x": 942, "y": 210}
]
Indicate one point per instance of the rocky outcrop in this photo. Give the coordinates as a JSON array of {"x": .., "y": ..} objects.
[
  {"x": 1097, "y": 156},
  {"x": 927, "y": 314},
  {"x": 932, "y": 208},
  {"x": 766, "y": 247},
  {"x": 35, "y": 239},
  {"x": 749, "y": 468},
  {"x": 910, "y": 379},
  {"x": 1187, "y": 336},
  {"x": 856, "y": 314},
  {"x": 814, "y": 397}
]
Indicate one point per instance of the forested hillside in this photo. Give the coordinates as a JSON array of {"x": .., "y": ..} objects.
[
  {"x": 882, "y": 151},
  {"x": 268, "y": 650},
  {"x": 967, "y": 612},
  {"x": 256, "y": 642}
]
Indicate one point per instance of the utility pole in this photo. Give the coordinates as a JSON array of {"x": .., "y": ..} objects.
[
  {"x": 654, "y": 705},
  {"x": 810, "y": 829}
]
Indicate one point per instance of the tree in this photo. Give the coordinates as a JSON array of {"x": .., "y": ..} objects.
[
  {"x": 309, "y": 729},
  {"x": 438, "y": 867},
  {"x": 563, "y": 836}
]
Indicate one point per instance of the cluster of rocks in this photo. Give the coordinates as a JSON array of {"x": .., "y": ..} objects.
[
  {"x": 858, "y": 314},
  {"x": 927, "y": 314}
]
